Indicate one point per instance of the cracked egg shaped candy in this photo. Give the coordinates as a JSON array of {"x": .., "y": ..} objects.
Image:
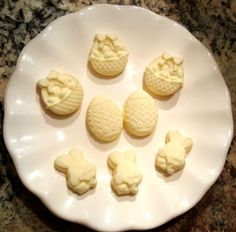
[
  {"x": 104, "y": 119},
  {"x": 164, "y": 76},
  {"x": 140, "y": 114},
  {"x": 61, "y": 93},
  {"x": 108, "y": 55}
]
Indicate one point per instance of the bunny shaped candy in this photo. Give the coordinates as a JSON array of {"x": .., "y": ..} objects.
[
  {"x": 80, "y": 174},
  {"x": 171, "y": 157},
  {"x": 126, "y": 175}
]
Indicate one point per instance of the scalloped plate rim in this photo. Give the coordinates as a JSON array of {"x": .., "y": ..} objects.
[{"x": 7, "y": 113}]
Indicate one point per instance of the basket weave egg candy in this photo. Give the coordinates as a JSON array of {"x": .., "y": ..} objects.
[
  {"x": 61, "y": 93},
  {"x": 108, "y": 56},
  {"x": 164, "y": 76}
]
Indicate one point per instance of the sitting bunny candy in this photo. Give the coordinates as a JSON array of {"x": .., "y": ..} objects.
[
  {"x": 80, "y": 174},
  {"x": 126, "y": 175},
  {"x": 171, "y": 157}
]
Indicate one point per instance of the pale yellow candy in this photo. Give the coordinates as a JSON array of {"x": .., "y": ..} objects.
[
  {"x": 126, "y": 176},
  {"x": 140, "y": 114},
  {"x": 104, "y": 119},
  {"x": 61, "y": 93},
  {"x": 164, "y": 76},
  {"x": 171, "y": 157},
  {"x": 108, "y": 55},
  {"x": 174, "y": 135},
  {"x": 80, "y": 174}
]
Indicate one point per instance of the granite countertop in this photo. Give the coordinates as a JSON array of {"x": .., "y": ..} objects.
[{"x": 212, "y": 22}]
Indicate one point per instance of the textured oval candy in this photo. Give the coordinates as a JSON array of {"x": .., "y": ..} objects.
[
  {"x": 104, "y": 119},
  {"x": 108, "y": 55},
  {"x": 164, "y": 76},
  {"x": 61, "y": 93},
  {"x": 140, "y": 114}
]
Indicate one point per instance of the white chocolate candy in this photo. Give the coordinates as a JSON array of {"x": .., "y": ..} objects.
[
  {"x": 164, "y": 76},
  {"x": 104, "y": 119},
  {"x": 61, "y": 93},
  {"x": 80, "y": 174},
  {"x": 174, "y": 135},
  {"x": 171, "y": 157},
  {"x": 126, "y": 176},
  {"x": 140, "y": 114},
  {"x": 108, "y": 55}
]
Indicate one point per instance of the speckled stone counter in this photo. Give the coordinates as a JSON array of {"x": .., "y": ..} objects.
[{"x": 212, "y": 22}]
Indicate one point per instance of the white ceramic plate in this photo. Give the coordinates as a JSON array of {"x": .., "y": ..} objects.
[{"x": 201, "y": 110}]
